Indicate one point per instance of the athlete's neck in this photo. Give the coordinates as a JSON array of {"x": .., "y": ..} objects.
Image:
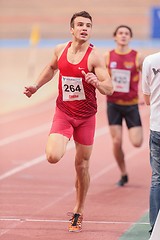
[
  {"x": 78, "y": 47},
  {"x": 122, "y": 49}
]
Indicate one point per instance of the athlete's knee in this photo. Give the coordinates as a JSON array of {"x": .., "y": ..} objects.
[
  {"x": 117, "y": 143},
  {"x": 137, "y": 145},
  {"x": 82, "y": 166},
  {"x": 136, "y": 136},
  {"x": 137, "y": 142},
  {"x": 52, "y": 158}
]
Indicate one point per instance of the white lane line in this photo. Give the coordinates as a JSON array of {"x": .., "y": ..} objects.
[
  {"x": 8, "y": 229},
  {"x": 66, "y": 221},
  {"x": 22, "y": 167},
  {"x": 29, "y": 112},
  {"x": 25, "y": 134},
  {"x": 32, "y": 109},
  {"x": 41, "y": 158}
]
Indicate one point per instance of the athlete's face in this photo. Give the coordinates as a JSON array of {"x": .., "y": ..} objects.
[
  {"x": 123, "y": 36},
  {"x": 82, "y": 28}
]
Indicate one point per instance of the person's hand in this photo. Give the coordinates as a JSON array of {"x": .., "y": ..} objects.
[
  {"x": 30, "y": 90},
  {"x": 91, "y": 78}
]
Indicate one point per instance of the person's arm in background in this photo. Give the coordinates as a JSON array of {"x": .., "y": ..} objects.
[
  {"x": 140, "y": 59},
  {"x": 145, "y": 81}
]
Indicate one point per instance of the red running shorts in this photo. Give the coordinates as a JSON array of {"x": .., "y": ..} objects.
[{"x": 82, "y": 130}]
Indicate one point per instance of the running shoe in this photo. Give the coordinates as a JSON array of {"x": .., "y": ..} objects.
[
  {"x": 150, "y": 231},
  {"x": 123, "y": 180},
  {"x": 75, "y": 223}
]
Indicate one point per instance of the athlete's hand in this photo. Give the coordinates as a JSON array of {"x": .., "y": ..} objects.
[
  {"x": 30, "y": 90},
  {"x": 91, "y": 78}
]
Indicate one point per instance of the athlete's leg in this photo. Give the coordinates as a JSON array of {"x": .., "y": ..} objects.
[
  {"x": 56, "y": 147},
  {"x": 115, "y": 116},
  {"x": 83, "y": 153},
  {"x": 136, "y": 136},
  {"x": 60, "y": 133},
  {"x": 116, "y": 133},
  {"x": 134, "y": 125}
]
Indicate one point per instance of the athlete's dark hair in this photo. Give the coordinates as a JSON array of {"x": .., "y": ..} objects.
[
  {"x": 123, "y": 26},
  {"x": 79, "y": 14}
]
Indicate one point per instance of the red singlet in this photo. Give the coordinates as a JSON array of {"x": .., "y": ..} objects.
[{"x": 76, "y": 97}]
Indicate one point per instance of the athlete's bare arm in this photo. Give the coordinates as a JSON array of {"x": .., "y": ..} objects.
[
  {"x": 106, "y": 57},
  {"x": 140, "y": 59},
  {"x": 47, "y": 74},
  {"x": 101, "y": 79}
]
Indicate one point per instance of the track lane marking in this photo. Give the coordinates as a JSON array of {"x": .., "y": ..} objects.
[
  {"x": 41, "y": 158},
  {"x": 66, "y": 221},
  {"x": 29, "y": 112},
  {"x": 29, "y": 133}
]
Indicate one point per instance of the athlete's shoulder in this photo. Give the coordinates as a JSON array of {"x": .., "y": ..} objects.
[
  {"x": 112, "y": 51},
  {"x": 108, "y": 53},
  {"x": 96, "y": 59},
  {"x": 134, "y": 51},
  {"x": 95, "y": 55},
  {"x": 60, "y": 47},
  {"x": 107, "y": 56}
]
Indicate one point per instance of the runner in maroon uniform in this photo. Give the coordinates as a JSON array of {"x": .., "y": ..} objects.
[
  {"x": 81, "y": 71},
  {"x": 124, "y": 65}
]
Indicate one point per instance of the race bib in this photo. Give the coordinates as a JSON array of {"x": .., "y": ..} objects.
[
  {"x": 121, "y": 80},
  {"x": 72, "y": 88}
]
